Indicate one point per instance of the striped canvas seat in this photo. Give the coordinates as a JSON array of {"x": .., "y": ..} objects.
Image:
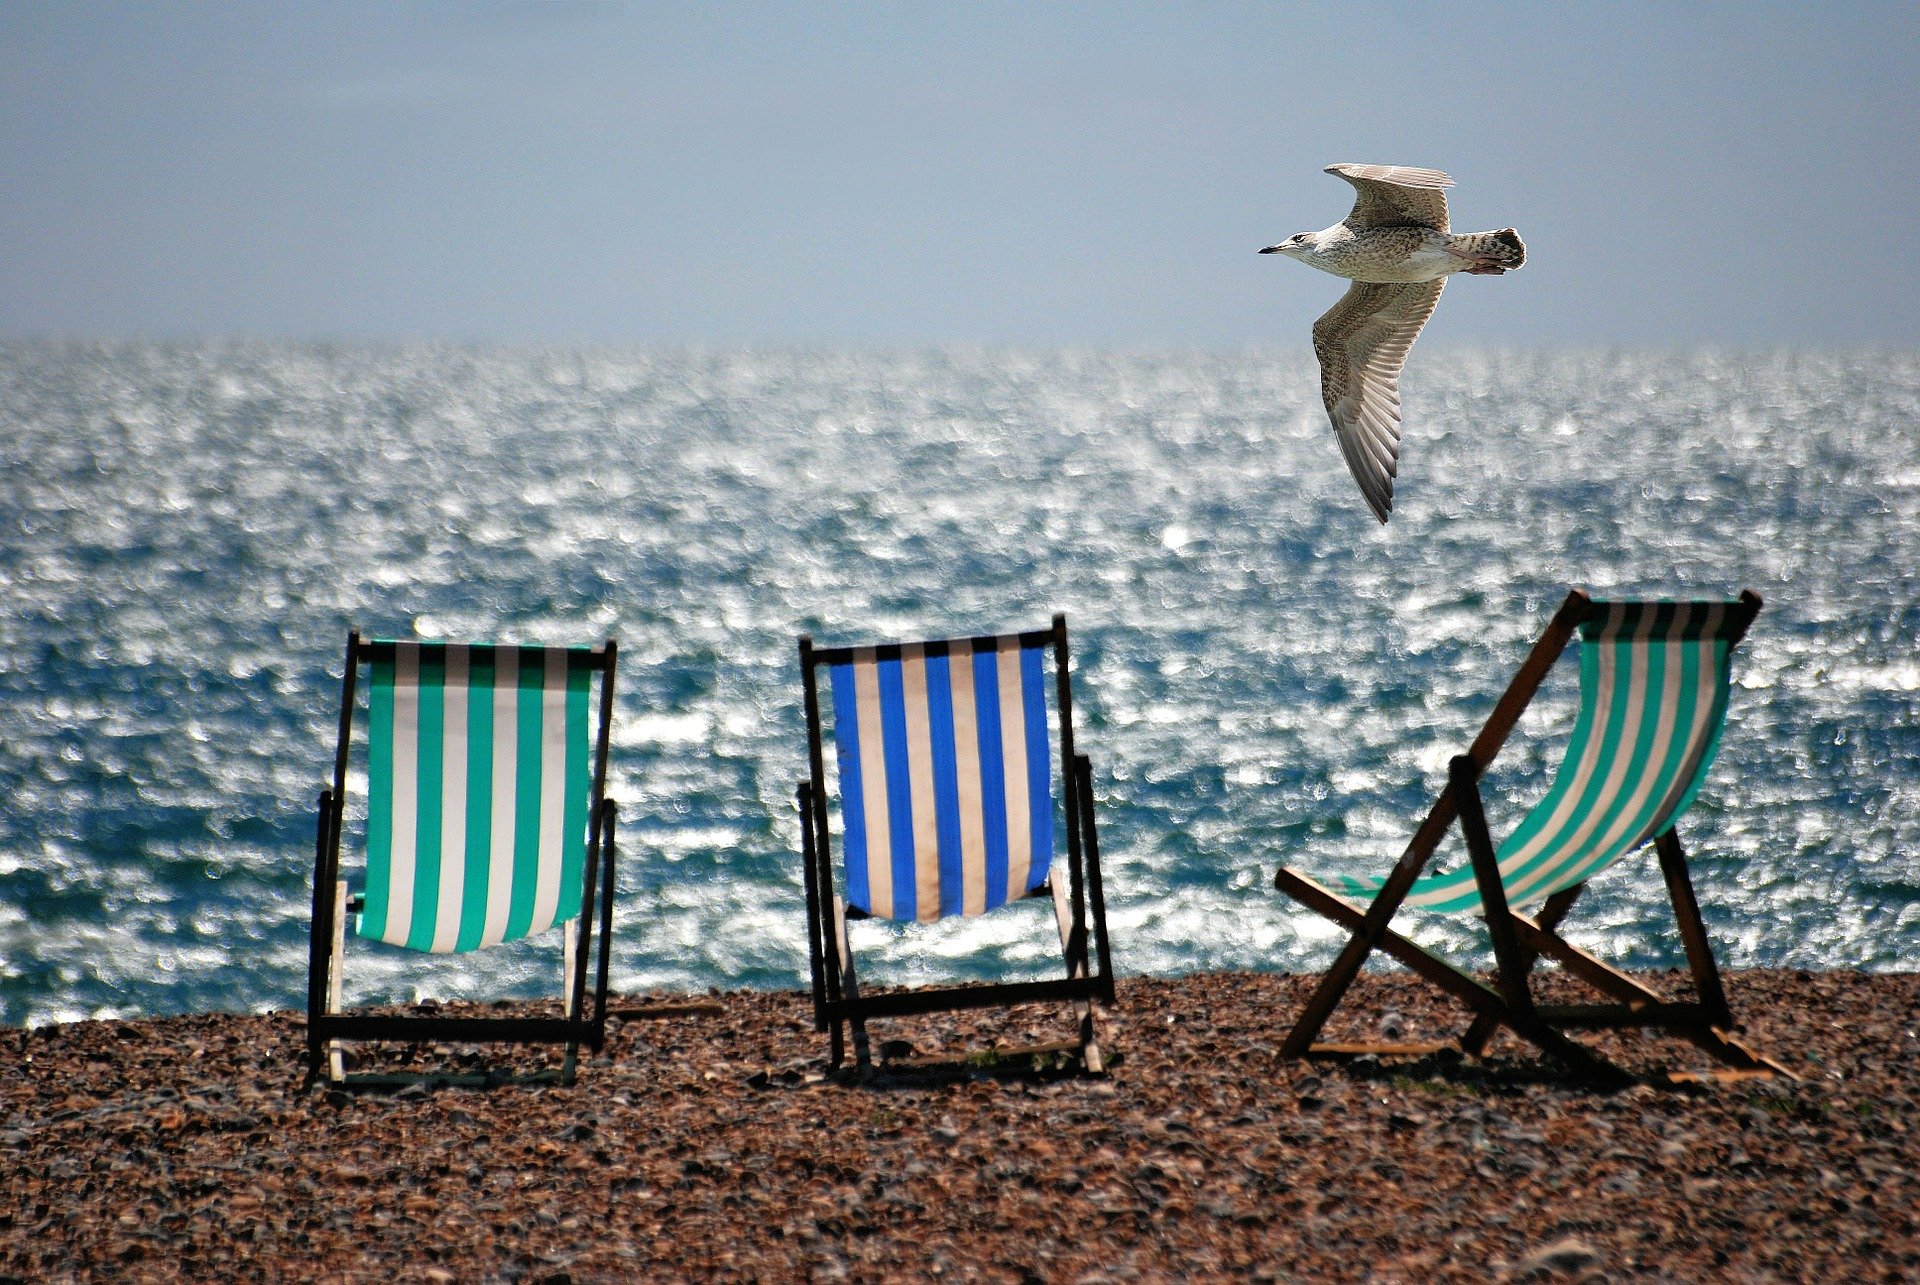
[
  {"x": 1654, "y": 681},
  {"x": 1653, "y": 699},
  {"x": 945, "y": 776},
  {"x": 478, "y": 785},
  {"x": 487, "y": 822},
  {"x": 946, "y": 800}
]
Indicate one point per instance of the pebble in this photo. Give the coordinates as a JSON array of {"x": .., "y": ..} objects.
[{"x": 715, "y": 1147}]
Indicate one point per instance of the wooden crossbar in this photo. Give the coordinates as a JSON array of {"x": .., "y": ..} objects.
[
  {"x": 946, "y": 999},
  {"x": 453, "y": 1030}
]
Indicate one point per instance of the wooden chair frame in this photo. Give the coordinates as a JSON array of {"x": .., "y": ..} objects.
[
  {"x": 1520, "y": 940},
  {"x": 328, "y": 1027},
  {"x": 1079, "y": 908}
]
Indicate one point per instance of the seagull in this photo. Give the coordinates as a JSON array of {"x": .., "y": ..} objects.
[{"x": 1396, "y": 250}]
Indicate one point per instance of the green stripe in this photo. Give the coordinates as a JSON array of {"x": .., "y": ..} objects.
[
  {"x": 526, "y": 788},
  {"x": 373, "y": 918},
  {"x": 1589, "y": 812},
  {"x": 573, "y": 839},
  {"x": 521, "y": 795},
  {"x": 431, "y": 766},
  {"x": 473, "y": 905}
]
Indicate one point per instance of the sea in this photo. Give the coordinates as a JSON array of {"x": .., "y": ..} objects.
[{"x": 1263, "y": 674}]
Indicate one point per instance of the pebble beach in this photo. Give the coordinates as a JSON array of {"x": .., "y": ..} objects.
[{"x": 710, "y": 1145}]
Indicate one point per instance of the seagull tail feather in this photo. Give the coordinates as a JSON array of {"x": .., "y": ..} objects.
[{"x": 1503, "y": 247}]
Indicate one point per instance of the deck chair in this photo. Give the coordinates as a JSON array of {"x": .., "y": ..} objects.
[
  {"x": 487, "y": 822},
  {"x": 947, "y": 808},
  {"x": 1653, "y": 700}
]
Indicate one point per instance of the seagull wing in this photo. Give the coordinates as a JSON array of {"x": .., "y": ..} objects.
[
  {"x": 1362, "y": 343},
  {"x": 1396, "y": 196}
]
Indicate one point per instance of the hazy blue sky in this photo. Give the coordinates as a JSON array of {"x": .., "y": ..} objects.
[{"x": 1058, "y": 174}]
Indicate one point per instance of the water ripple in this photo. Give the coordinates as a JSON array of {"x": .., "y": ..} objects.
[{"x": 187, "y": 533}]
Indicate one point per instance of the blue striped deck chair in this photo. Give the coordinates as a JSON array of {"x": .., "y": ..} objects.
[
  {"x": 1654, "y": 681},
  {"x": 946, "y": 803},
  {"x": 487, "y": 822}
]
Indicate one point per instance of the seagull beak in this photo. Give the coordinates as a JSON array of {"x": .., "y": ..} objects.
[{"x": 1273, "y": 249}]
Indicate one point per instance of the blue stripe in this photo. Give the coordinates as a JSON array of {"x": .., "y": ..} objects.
[
  {"x": 946, "y": 783},
  {"x": 1033, "y": 684},
  {"x": 853, "y": 797},
  {"x": 893, "y": 729},
  {"x": 993, "y": 773}
]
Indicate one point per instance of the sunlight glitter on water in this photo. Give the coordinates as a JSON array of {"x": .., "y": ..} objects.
[{"x": 1263, "y": 674}]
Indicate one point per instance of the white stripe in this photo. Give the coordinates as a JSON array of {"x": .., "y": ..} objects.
[
  {"x": 553, "y": 792},
  {"x": 506, "y": 731},
  {"x": 406, "y": 792},
  {"x": 926, "y": 822},
  {"x": 454, "y": 696},
  {"x": 873, "y": 784},
  {"x": 1013, "y": 762},
  {"x": 966, "y": 755}
]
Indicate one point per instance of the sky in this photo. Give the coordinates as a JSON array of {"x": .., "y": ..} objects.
[{"x": 905, "y": 174}]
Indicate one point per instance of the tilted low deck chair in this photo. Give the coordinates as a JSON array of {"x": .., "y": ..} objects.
[
  {"x": 947, "y": 808},
  {"x": 1653, "y": 700},
  {"x": 487, "y": 822}
]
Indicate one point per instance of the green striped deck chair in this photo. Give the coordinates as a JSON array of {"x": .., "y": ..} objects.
[
  {"x": 1654, "y": 680},
  {"x": 945, "y": 796},
  {"x": 487, "y": 821}
]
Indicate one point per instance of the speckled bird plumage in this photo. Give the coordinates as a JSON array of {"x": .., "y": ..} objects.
[{"x": 1396, "y": 248}]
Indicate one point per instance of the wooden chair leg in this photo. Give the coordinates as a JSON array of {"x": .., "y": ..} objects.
[
  {"x": 1463, "y": 986},
  {"x": 1374, "y": 931},
  {"x": 1096, "y": 896},
  {"x": 1693, "y": 931},
  {"x": 571, "y": 960},
  {"x": 1474, "y": 1042},
  {"x": 1632, "y": 994},
  {"x": 1513, "y": 962},
  {"x": 1371, "y": 930},
  {"x": 605, "y": 942},
  {"x": 1073, "y": 949},
  {"x": 336, "y": 1053},
  {"x": 850, "y": 992},
  {"x": 319, "y": 932}
]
